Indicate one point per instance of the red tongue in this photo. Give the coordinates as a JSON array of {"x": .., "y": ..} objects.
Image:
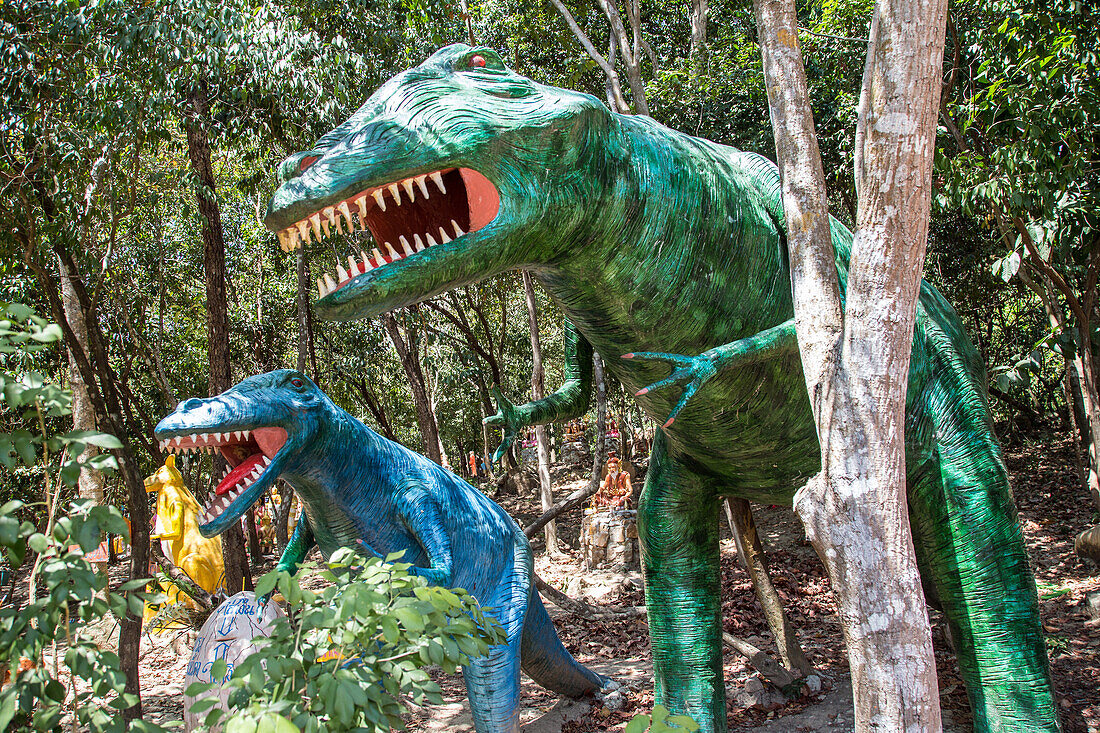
[{"x": 238, "y": 473}]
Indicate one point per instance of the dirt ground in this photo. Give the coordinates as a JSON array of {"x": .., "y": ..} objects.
[{"x": 1052, "y": 508}]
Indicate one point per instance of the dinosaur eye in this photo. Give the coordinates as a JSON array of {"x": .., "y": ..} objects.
[
  {"x": 478, "y": 61},
  {"x": 297, "y": 383},
  {"x": 306, "y": 162}
]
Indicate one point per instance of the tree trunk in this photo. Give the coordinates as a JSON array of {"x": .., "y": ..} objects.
[
  {"x": 698, "y": 49},
  {"x": 1085, "y": 365},
  {"x": 538, "y": 391},
  {"x": 615, "y": 98},
  {"x": 855, "y": 510},
  {"x": 1073, "y": 384},
  {"x": 410, "y": 361},
  {"x": 91, "y": 482},
  {"x": 237, "y": 573},
  {"x": 103, "y": 391},
  {"x": 751, "y": 550},
  {"x": 599, "y": 452}
]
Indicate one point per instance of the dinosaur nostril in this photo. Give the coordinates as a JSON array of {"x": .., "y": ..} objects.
[{"x": 189, "y": 404}]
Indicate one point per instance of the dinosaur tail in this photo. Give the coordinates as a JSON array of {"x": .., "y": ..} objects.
[{"x": 547, "y": 662}]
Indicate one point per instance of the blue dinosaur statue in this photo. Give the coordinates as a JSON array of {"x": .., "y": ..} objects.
[{"x": 360, "y": 490}]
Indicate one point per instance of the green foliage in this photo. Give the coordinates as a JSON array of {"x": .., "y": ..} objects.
[
  {"x": 349, "y": 653},
  {"x": 70, "y": 594},
  {"x": 74, "y": 597},
  {"x": 660, "y": 722}
]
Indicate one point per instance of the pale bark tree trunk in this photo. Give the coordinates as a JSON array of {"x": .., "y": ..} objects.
[
  {"x": 698, "y": 49},
  {"x": 538, "y": 391},
  {"x": 599, "y": 451},
  {"x": 615, "y": 98},
  {"x": 855, "y": 510},
  {"x": 410, "y": 362},
  {"x": 1085, "y": 366},
  {"x": 237, "y": 573},
  {"x": 631, "y": 46},
  {"x": 91, "y": 482}
]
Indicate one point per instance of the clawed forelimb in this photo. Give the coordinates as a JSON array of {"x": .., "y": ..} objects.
[{"x": 695, "y": 371}]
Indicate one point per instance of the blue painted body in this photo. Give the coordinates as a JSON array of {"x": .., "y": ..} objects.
[{"x": 363, "y": 491}]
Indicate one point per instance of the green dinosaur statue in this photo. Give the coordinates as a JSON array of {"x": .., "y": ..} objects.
[{"x": 656, "y": 243}]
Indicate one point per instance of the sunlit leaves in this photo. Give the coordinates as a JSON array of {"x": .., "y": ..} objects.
[{"x": 354, "y": 649}]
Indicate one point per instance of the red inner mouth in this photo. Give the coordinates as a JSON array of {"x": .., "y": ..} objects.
[{"x": 246, "y": 455}]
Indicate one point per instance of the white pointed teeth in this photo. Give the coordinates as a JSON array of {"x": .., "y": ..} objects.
[
  {"x": 345, "y": 212},
  {"x": 378, "y": 198},
  {"x": 339, "y": 218},
  {"x": 211, "y": 442}
]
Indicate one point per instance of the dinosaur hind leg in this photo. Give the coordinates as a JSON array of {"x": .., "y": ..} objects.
[
  {"x": 971, "y": 551},
  {"x": 492, "y": 681},
  {"x": 492, "y": 684},
  {"x": 678, "y": 529},
  {"x": 547, "y": 662}
]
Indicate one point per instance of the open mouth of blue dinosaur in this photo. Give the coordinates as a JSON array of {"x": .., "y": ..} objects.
[
  {"x": 251, "y": 455},
  {"x": 403, "y": 218}
]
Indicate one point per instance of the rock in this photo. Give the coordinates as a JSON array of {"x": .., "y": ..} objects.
[
  {"x": 608, "y": 538},
  {"x": 1087, "y": 544},
  {"x": 754, "y": 694},
  {"x": 1092, "y": 605},
  {"x": 813, "y": 684}
]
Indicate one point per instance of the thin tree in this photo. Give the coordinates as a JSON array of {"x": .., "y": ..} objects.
[
  {"x": 538, "y": 391},
  {"x": 195, "y": 120},
  {"x": 408, "y": 352},
  {"x": 855, "y": 509}
]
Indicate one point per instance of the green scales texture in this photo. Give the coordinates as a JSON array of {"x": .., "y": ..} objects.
[{"x": 650, "y": 240}]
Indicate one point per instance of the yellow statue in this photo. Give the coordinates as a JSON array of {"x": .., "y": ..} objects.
[{"x": 177, "y": 529}]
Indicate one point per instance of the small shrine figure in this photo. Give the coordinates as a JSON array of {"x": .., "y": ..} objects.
[
  {"x": 615, "y": 490},
  {"x": 472, "y": 459}
]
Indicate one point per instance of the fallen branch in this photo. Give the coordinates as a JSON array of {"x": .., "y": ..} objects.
[
  {"x": 572, "y": 501},
  {"x": 772, "y": 671},
  {"x": 582, "y": 609},
  {"x": 181, "y": 579}
]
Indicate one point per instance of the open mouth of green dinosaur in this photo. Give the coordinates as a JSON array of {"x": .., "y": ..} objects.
[
  {"x": 404, "y": 218},
  {"x": 249, "y": 453}
]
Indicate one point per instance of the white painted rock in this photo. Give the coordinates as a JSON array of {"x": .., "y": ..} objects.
[{"x": 228, "y": 635}]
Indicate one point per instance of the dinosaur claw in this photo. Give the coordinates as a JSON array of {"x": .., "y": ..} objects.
[
  {"x": 670, "y": 421},
  {"x": 628, "y": 356},
  {"x": 642, "y": 391}
]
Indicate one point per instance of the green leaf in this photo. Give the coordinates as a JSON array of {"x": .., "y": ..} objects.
[{"x": 92, "y": 437}]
